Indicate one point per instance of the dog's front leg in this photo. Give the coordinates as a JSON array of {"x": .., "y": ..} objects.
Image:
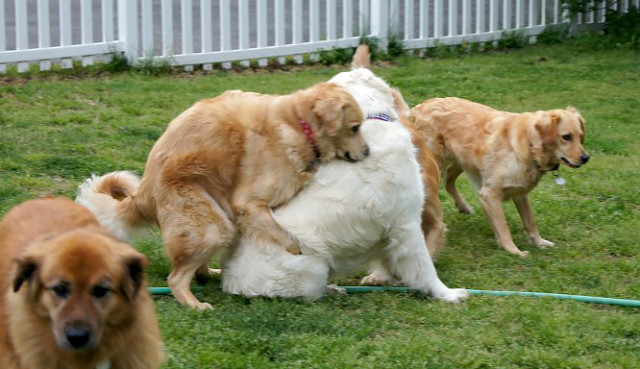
[
  {"x": 529, "y": 222},
  {"x": 492, "y": 206},
  {"x": 256, "y": 223}
]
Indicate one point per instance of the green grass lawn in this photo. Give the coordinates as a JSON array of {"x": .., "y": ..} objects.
[{"x": 54, "y": 132}]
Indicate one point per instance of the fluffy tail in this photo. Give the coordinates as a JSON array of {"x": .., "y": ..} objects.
[
  {"x": 361, "y": 58},
  {"x": 109, "y": 198}
]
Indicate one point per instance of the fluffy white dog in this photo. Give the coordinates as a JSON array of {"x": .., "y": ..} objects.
[{"x": 351, "y": 214}]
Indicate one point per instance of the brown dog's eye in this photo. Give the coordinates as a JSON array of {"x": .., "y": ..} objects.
[
  {"x": 99, "y": 291},
  {"x": 61, "y": 290},
  {"x": 355, "y": 129},
  {"x": 567, "y": 137}
]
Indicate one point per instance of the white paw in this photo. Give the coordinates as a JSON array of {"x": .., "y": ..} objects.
[
  {"x": 543, "y": 244},
  {"x": 453, "y": 295},
  {"x": 377, "y": 279},
  {"x": 334, "y": 288},
  {"x": 201, "y": 306}
]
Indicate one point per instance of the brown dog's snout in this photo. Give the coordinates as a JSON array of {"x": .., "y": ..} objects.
[
  {"x": 78, "y": 337},
  {"x": 585, "y": 158}
]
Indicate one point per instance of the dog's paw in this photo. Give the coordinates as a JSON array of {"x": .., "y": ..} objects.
[
  {"x": 378, "y": 278},
  {"x": 543, "y": 244},
  {"x": 334, "y": 288},
  {"x": 453, "y": 295},
  {"x": 465, "y": 209},
  {"x": 523, "y": 254},
  {"x": 202, "y": 306}
]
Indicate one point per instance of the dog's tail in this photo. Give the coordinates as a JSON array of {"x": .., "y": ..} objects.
[
  {"x": 362, "y": 57},
  {"x": 111, "y": 199}
]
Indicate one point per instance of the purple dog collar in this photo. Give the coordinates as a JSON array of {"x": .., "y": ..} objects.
[{"x": 380, "y": 116}]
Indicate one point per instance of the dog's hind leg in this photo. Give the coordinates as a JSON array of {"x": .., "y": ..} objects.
[
  {"x": 451, "y": 173},
  {"x": 193, "y": 231},
  {"x": 409, "y": 260}
]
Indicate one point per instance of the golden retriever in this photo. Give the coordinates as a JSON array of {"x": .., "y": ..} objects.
[
  {"x": 351, "y": 215},
  {"x": 219, "y": 169},
  {"x": 72, "y": 296},
  {"x": 503, "y": 154}
]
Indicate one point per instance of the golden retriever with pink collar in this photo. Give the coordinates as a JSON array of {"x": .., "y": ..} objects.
[{"x": 221, "y": 167}]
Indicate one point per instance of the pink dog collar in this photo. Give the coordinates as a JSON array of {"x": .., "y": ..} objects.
[{"x": 306, "y": 128}]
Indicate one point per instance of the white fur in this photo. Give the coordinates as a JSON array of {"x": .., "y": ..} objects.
[
  {"x": 350, "y": 215},
  {"x": 104, "y": 206}
]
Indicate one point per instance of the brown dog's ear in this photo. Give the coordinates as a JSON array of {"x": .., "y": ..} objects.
[
  {"x": 330, "y": 113},
  {"x": 25, "y": 270},
  {"x": 547, "y": 128},
  {"x": 134, "y": 264}
]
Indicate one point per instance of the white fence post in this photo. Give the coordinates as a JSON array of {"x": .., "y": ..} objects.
[
  {"x": 22, "y": 31},
  {"x": 65, "y": 29},
  {"x": 128, "y": 28},
  {"x": 3, "y": 46},
  {"x": 86, "y": 14},
  {"x": 263, "y": 40},
  {"x": 380, "y": 21},
  {"x": 297, "y": 27},
  {"x": 44, "y": 30}
]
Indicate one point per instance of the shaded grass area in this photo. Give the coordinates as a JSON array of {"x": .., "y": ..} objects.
[{"x": 55, "y": 133}]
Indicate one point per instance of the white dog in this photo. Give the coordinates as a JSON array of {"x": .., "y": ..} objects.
[{"x": 351, "y": 214}]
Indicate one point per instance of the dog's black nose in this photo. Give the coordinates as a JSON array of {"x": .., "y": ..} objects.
[
  {"x": 78, "y": 337},
  {"x": 366, "y": 151},
  {"x": 584, "y": 158}
]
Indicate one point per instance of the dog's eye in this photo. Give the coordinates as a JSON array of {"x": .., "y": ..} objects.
[
  {"x": 567, "y": 137},
  {"x": 61, "y": 290},
  {"x": 99, "y": 291},
  {"x": 355, "y": 129}
]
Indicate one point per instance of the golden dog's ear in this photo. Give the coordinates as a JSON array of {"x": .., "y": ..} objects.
[
  {"x": 401, "y": 106},
  {"x": 330, "y": 112},
  {"x": 547, "y": 128},
  {"x": 362, "y": 57},
  {"x": 25, "y": 270},
  {"x": 133, "y": 275}
]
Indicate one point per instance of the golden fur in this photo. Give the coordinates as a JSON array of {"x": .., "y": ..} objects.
[
  {"x": 503, "y": 154},
  {"x": 223, "y": 164},
  {"x": 71, "y": 296},
  {"x": 433, "y": 225}
]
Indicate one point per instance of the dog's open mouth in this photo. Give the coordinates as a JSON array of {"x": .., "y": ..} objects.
[{"x": 568, "y": 163}]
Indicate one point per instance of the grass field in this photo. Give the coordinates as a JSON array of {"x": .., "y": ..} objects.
[{"x": 54, "y": 132}]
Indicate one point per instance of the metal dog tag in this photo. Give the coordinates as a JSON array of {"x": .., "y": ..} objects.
[{"x": 558, "y": 180}]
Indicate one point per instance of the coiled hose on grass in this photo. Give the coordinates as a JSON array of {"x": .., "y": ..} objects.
[{"x": 356, "y": 289}]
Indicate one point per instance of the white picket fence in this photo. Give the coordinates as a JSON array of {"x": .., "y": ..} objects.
[{"x": 204, "y": 32}]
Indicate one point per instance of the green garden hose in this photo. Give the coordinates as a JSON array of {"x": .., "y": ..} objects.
[{"x": 355, "y": 289}]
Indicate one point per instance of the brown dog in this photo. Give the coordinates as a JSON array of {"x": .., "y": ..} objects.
[
  {"x": 503, "y": 154},
  {"x": 71, "y": 295},
  {"x": 221, "y": 166}
]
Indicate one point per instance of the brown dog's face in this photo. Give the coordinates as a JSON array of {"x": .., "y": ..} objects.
[
  {"x": 340, "y": 115},
  {"x": 82, "y": 282},
  {"x": 564, "y": 131}
]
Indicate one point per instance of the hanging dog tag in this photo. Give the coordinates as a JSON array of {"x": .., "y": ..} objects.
[{"x": 558, "y": 180}]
